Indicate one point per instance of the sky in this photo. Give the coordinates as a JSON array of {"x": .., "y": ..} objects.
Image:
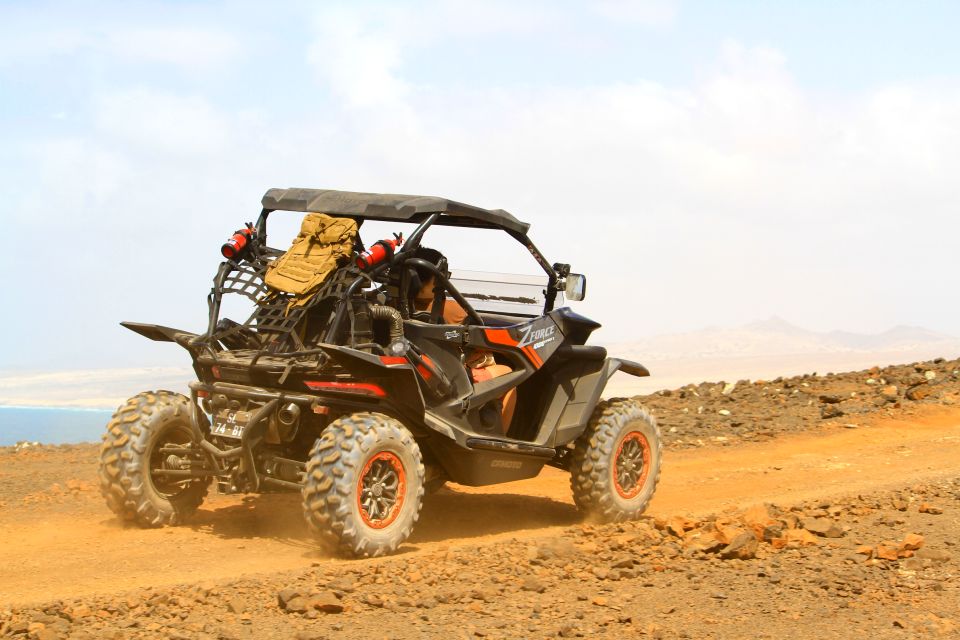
[{"x": 703, "y": 163}]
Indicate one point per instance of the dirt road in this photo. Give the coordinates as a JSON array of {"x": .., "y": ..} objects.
[{"x": 62, "y": 542}]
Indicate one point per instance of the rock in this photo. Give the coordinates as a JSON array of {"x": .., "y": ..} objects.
[
  {"x": 911, "y": 542},
  {"x": 770, "y": 532},
  {"x": 533, "y": 583},
  {"x": 758, "y": 518},
  {"x": 871, "y": 381},
  {"x": 234, "y": 605},
  {"x": 284, "y": 596},
  {"x": 918, "y": 393},
  {"x": 705, "y": 540},
  {"x": 793, "y": 538},
  {"x": 46, "y": 634},
  {"x": 78, "y": 612},
  {"x": 890, "y": 393},
  {"x": 823, "y": 527},
  {"x": 916, "y": 379},
  {"x": 556, "y": 549},
  {"x": 326, "y": 601},
  {"x": 724, "y": 412},
  {"x": 19, "y": 627},
  {"x": 743, "y": 547},
  {"x": 297, "y": 604},
  {"x": 886, "y": 551},
  {"x": 930, "y": 375},
  {"x": 678, "y": 525},
  {"x": 935, "y": 555},
  {"x": 346, "y": 585},
  {"x": 830, "y": 399},
  {"x": 728, "y": 388},
  {"x": 829, "y": 411},
  {"x": 865, "y": 550},
  {"x": 929, "y": 508},
  {"x": 727, "y": 530}
]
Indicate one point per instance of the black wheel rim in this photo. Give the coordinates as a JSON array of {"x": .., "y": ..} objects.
[
  {"x": 381, "y": 490},
  {"x": 631, "y": 464}
]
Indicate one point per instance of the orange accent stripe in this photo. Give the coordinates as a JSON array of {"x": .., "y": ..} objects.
[
  {"x": 388, "y": 360},
  {"x": 500, "y": 336},
  {"x": 424, "y": 370},
  {"x": 534, "y": 356}
]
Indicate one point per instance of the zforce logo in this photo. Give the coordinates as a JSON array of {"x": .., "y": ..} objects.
[
  {"x": 505, "y": 464},
  {"x": 529, "y": 335}
]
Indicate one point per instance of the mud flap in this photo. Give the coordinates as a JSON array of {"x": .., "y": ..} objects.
[{"x": 582, "y": 397}]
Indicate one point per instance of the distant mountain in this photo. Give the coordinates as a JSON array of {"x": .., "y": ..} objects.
[{"x": 776, "y": 336}]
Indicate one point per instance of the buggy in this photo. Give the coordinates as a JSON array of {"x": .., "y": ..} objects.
[{"x": 348, "y": 392}]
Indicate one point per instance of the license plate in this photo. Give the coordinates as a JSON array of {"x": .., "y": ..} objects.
[{"x": 230, "y": 424}]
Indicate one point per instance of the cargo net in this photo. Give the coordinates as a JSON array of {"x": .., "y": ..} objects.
[{"x": 276, "y": 322}]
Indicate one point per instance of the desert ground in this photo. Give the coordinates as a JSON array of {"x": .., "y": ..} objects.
[{"x": 810, "y": 506}]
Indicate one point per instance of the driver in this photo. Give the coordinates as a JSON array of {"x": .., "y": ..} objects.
[{"x": 481, "y": 364}]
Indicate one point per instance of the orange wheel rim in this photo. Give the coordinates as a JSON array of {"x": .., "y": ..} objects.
[
  {"x": 381, "y": 489},
  {"x": 631, "y": 465}
]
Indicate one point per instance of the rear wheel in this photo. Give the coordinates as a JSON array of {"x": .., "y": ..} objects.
[
  {"x": 132, "y": 452},
  {"x": 616, "y": 462},
  {"x": 364, "y": 485}
]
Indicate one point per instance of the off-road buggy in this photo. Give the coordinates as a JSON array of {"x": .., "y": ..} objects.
[{"x": 353, "y": 397}]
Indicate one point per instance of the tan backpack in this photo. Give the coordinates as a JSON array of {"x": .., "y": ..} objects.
[{"x": 323, "y": 244}]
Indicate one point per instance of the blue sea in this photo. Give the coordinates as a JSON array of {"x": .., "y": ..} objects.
[{"x": 51, "y": 425}]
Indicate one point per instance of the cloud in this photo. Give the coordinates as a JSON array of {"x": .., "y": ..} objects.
[
  {"x": 357, "y": 60},
  {"x": 158, "y": 121},
  {"x": 34, "y": 36},
  {"x": 739, "y": 194},
  {"x": 188, "y": 48}
]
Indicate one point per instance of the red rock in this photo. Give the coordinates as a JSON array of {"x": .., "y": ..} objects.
[
  {"x": 758, "y": 518},
  {"x": 911, "y": 542},
  {"x": 678, "y": 525},
  {"x": 727, "y": 530},
  {"x": 743, "y": 547},
  {"x": 889, "y": 392},
  {"x": 795, "y": 538},
  {"x": 929, "y": 508},
  {"x": 887, "y": 551},
  {"x": 326, "y": 601},
  {"x": 707, "y": 540},
  {"x": 918, "y": 393}
]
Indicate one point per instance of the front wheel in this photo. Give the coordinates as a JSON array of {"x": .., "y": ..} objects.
[
  {"x": 616, "y": 462},
  {"x": 132, "y": 455},
  {"x": 364, "y": 485}
]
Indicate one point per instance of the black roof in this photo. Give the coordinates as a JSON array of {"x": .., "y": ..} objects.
[{"x": 390, "y": 206}]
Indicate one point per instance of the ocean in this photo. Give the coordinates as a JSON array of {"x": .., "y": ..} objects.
[{"x": 51, "y": 425}]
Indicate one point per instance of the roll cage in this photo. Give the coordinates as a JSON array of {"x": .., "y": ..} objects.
[{"x": 274, "y": 313}]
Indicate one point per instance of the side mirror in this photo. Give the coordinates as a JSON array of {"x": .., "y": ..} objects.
[{"x": 576, "y": 287}]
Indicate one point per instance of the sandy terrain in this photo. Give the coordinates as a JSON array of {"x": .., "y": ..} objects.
[{"x": 517, "y": 560}]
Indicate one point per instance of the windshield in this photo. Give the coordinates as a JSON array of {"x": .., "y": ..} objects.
[{"x": 504, "y": 293}]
